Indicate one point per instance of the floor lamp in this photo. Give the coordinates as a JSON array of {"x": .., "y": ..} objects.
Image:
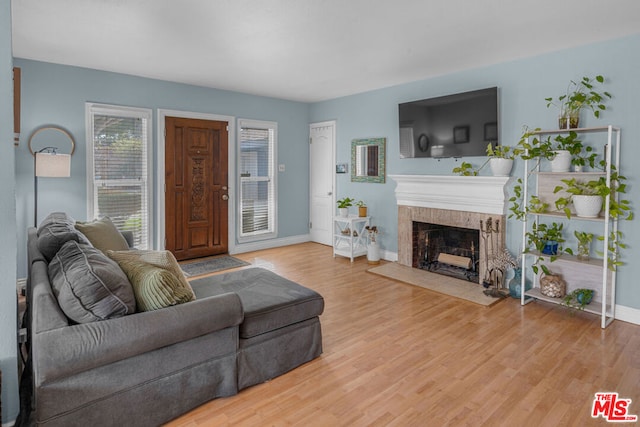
[{"x": 50, "y": 164}]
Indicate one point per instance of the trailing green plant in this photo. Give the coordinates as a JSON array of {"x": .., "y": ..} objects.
[
  {"x": 613, "y": 249},
  {"x": 517, "y": 207},
  {"x": 583, "y": 237},
  {"x": 345, "y": 202},
  {"x": 538, "y": 237},
  {"x": 581, "y": 95},
  {"x": 578, "y": 298},
  {"x": 503, "y": 151},
  {"x": 597, "y": 187},
  {"x": 465, "y": 169}
]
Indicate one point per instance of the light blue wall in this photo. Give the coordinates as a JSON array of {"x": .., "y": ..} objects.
[
  {"x": 56, "y": 94},
  {"x": 523, "y": 85},
  {"x": 8, "y": 350}
]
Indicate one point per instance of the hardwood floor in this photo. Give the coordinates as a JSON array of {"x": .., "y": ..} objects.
[{"x": 399, "y": 355}]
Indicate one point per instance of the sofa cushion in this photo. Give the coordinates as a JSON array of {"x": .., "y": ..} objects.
[
  {"x": 56, "y": 230},
  {"x": 269, "y": 301},
  {"x": 103, "y": 234},
  {"x": 156, "y": 277},
  {"x": 88, "y": 285}
]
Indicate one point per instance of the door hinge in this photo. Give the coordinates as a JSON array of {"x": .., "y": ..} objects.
[
  {"x": 310, "y": 225},
  {"x": 310, "y": 140}
]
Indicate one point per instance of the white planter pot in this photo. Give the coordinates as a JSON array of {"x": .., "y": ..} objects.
[
  {"x": 343, "y": 212},
  {"x": 373, "y": 253},
  {"x": 561, "y": 161},
  {"x": 587, "y": 206},
  {"x": 500, "y": 167}
]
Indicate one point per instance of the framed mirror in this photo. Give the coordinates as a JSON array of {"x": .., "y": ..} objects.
[{"x": 368, "y": 160}]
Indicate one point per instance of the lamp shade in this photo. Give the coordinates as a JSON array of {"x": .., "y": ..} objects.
[{"x": 53, "y": 165}]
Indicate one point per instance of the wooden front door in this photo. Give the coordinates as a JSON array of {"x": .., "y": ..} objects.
[{"x": 196, "y": 194}]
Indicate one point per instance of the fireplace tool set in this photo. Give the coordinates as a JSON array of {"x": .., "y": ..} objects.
[{"x": 494, "y": 272}]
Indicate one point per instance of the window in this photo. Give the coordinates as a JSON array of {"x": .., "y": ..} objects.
[
  {"x": 118, "y": 152},
  {"x": 256, "y": 166}
]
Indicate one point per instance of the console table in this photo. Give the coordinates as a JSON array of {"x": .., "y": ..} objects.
[{"x": 350, "y": 236}]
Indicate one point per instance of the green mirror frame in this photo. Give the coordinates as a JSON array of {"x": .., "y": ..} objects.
[{"x": 368, "y": 160}]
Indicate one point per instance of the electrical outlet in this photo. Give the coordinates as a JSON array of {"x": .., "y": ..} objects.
[{"x": 281, "y": 168}]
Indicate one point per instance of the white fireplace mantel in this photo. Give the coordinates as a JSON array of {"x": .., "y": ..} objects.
[{"x": 485, "y": 194}]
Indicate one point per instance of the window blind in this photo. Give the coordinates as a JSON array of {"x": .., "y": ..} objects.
[
  {"x": 120, "y": 172},
  {"x": 257, "y": 181}
]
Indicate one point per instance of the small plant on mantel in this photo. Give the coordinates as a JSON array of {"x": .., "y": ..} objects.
[{"x": 465, "y": 169}]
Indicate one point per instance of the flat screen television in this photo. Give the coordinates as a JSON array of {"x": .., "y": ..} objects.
[{"x": 455, "y": 125}]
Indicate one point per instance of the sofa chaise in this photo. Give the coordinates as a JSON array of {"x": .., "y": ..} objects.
[{"x": 146, "y": 368}]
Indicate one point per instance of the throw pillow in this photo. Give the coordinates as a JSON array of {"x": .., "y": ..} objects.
[
  {"x": 88, "y": 285},
  {"x": 103, "y": 235},
  {"x": 156, "y": 278},
  {"x": 56, "y": 230}
]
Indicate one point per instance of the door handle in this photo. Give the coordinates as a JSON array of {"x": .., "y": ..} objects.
[
  {"x": 329, "y": 193},
  {"x": 225, "y": 188},
  {"x": 225, "y": 197}
]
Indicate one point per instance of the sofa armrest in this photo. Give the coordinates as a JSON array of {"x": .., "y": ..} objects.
[{"x": 61, "y": 352}]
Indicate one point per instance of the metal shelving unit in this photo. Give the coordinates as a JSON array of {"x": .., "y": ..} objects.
[{"x": 595, "y": 273}]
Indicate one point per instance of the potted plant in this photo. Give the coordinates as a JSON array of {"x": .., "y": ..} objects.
[
  {"x": 584, "y": 245},
  {"x": 579, "y": 298},
  {"x": 588, "y": 197},
  {"x": 362, "y": 208},
  {"x": 568, "y": 150},
  {"x": 343, "y": 206},
  {"x": 579, "y": 95},
  {"x": 547, "y": 240},
  {"x": 501, "y": 158}
]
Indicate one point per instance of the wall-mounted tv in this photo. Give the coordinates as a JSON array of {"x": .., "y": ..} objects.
[{"x": 455, "y": 125}]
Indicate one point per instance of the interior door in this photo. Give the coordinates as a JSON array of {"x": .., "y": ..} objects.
[
  {"x": 196, "y": 193},
  {"x": 321, "y": 164}
]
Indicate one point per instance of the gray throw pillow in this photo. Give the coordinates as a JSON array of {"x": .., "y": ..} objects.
[
  {"x": 54, "y": 231},
  {"x": 88, "y": 285}
]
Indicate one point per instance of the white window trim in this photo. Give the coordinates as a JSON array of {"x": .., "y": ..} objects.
[
  {"x": 258, "y": 124},
  {"x": 92, "y": 108}
]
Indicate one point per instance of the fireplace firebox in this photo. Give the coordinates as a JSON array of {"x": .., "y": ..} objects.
[{"x": 443, "y": 249}]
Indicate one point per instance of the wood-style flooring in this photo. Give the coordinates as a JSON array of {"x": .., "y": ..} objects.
[{"x": 400, "y": 355}]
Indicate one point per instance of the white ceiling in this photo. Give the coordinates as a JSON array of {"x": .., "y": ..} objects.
[{"x": 307, "y": 50}]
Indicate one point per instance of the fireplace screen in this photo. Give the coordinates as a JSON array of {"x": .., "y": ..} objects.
[{"x": 451, "y": 251}]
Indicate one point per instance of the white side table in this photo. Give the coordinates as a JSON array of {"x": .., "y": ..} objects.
[{"x": 350, "y": 236}]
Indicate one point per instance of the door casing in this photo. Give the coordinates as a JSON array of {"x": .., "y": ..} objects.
[{"x": 327, "y": 187}]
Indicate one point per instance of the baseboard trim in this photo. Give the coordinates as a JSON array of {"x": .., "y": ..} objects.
[
  {"x": 628, "y": 314},
  {"x": 269, "y": 244}
]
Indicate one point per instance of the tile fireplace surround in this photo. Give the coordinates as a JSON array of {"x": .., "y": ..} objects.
[{"x": 456, "y": 201}]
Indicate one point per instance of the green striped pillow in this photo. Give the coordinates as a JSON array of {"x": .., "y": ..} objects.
[{"x": 156, "y": 278}]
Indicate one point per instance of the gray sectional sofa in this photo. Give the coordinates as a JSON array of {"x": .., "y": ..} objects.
[{"x": 146, "y": 368}]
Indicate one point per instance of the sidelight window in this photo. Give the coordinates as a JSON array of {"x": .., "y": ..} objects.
[{"x": 257, "y": 180}]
